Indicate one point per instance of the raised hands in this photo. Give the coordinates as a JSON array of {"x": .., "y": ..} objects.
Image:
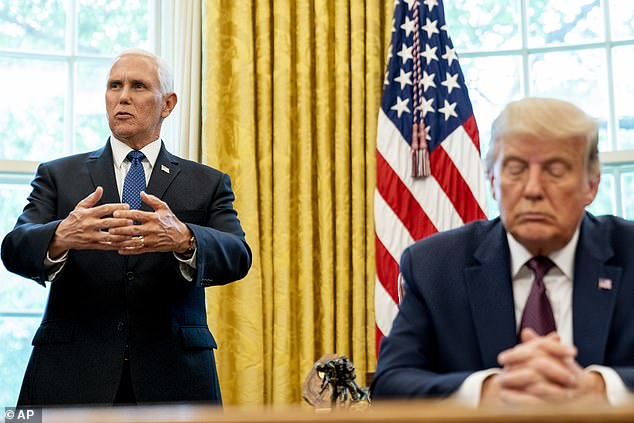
[
  {"x": 155, "y": 231},
  {"x": 87, "y": 227},
  {"x": 115, "y": 227}
]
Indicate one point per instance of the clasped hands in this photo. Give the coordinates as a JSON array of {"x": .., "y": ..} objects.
[
  {"x": 112, "y": 227},
  {"x": 541, "y": 370}
]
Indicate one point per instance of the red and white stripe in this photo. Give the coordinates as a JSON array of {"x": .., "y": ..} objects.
[{"x": 407, "y": 209}]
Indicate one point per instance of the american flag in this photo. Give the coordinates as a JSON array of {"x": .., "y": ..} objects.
[{"x": 425, "y": 108}]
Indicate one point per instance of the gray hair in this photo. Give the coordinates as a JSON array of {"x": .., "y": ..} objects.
[
  {"x": 545, "y": 118},
  {"x": 164, "y": 72}
]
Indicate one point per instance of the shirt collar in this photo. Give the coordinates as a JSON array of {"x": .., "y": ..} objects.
[
  {"x": 120, "y": 150},
  {"x": 564, "y": 258}
]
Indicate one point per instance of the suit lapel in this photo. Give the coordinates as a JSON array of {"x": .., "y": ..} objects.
[
  {"x": 101, "y": 170},
  {"x": 164, "y": 172},
  {"x": 593, "y": 305},
  {"x": 490, "y": 292}
]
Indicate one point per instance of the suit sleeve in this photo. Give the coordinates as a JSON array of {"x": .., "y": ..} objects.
[
  {"x": 408, "y": 364},
  {"x": 222, "y": 253},
  {"x": 24, "y": 248}
]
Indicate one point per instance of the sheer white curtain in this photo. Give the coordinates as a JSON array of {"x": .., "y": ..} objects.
[{"x": 181, "y": 46}]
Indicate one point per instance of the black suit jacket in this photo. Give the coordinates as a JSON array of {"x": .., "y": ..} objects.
[
  {"x": 458, "y": 311},
  {"x": 101, "y": 301}
]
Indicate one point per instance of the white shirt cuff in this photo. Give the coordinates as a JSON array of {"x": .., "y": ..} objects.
[
  {"x": 470, "y": 391},
  {"x": 48, "y": 261},
  {"x": 615, "y": 389},
  {"x": 54, "y": 266},
  {"x": 187, "y": 266}
]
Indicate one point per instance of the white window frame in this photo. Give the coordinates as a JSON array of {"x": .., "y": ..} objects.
[{"x": 613, "y": 162}]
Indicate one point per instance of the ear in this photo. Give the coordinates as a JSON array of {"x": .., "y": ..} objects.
[
  {"x": 492, "y": 184},
  {"x": 592, "y": 187},
  {"x": 169, "y": 102}
]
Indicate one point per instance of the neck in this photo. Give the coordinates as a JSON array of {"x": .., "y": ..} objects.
[{"x": 136, "y": 144}]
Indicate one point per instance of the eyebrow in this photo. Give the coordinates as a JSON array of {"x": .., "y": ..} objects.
[{"x": 132, "y": 81}]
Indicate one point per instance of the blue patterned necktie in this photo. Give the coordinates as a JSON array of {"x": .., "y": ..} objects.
[
  {"x": 134, "y": 181},
  {"x": 538, "y": 313}
]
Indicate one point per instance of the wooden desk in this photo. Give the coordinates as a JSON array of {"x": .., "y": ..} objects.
[{"x": 404, "y": 412}]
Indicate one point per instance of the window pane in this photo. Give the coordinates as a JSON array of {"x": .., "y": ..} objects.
[
  {"x": 32, "y": 123},
  {"x": 36, "y": 25},
  {"x": 604, "y": 202},
  {"x": 109, "y": 26},
  {"x": 476, "y": 25},
  {"x": 627, "y": 194},
  {"x": 91, "y": 124},
  {"x": 554, "y": 22},
  {"x": 622, "y": 17},
  {"x": 583, "y": 82},
  {"x": 16, "y": 293},
  {"x": 624, "y": 95},
  {"x": 16, "y": 334},
  {"x": 492, "y": 83}
]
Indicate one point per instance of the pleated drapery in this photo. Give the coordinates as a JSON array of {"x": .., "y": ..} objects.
[{"x": 291, "y": 91}]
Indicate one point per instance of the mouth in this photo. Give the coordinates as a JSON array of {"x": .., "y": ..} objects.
[
  {"x": 123, "y": 115},
  {"x": 534, "y": 217}
]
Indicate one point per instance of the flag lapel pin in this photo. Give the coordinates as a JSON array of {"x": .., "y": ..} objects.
[
  {"x": 604, "y": 284},
  {"x": 165, "y": 169}
]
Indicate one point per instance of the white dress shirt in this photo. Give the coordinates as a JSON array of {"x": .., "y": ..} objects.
[
  {"x": 558, "y": 282},
  {"x": 120, "y": 151}
]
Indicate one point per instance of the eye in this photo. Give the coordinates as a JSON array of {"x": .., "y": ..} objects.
[
  {"x": 514, "y": 167},
  {"x": 556, "y": 169},
  {"x": 139, "y": 85},
  {"x": 114, "y": 85}
]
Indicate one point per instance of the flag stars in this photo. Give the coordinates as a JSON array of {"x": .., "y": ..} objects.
[
  {"x": 428, "y": 81},
  {"x": 426, "y": 106},
  {"x": 405, "y": 53},
  {"x": 400, "y": 106},
  {"x": 430, "y": 4},
  {"x": 451, "y": 82},
  {"x": 450, "y": 55},
  {"x": 449, "y": 109},
  {"x": 427, "y": 132},
  {"x": 431, "y": 27},
  {"x": 409, "y": 26},
  {"x": 430, "y": 53},
  {"x": 410, "y": 4},
  {"x": 404, "y": 78}
]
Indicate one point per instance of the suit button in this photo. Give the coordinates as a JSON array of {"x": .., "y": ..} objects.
[
  {"x": 120, "y": 326},
  {"x": 129, "y": 275}
]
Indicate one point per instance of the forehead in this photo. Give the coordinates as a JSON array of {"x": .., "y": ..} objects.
[
  {"x": 133, "y": 66},
  {"x": 533, "y": 148}
]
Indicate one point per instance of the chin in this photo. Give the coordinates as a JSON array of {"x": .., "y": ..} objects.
[{"x": 539, "y": 242}]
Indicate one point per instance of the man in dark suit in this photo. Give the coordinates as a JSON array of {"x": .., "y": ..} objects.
[
  {"x": 482, "y": 322},
  {"x": 125, "y": 320}
]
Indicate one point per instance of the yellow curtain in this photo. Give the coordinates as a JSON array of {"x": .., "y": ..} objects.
[{"x": 291, "y": 91}]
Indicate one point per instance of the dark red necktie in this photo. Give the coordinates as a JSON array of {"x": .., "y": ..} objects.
[{"x": 538, "y": 315}]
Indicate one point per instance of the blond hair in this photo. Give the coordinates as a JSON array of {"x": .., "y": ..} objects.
[{"x": 545, "y": 118}]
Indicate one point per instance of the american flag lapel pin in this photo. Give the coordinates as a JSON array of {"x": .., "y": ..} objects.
[
  {"x": 604, "y": 284},
  {"x": 165, "y": 169}
]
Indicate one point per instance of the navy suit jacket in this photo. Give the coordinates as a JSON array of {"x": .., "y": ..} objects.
[
  {"x": 458, "y": 312},
  {"x": 101, "y": 301}
]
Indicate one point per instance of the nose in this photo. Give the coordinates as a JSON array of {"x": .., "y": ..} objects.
[
  {"x": 124, "y": 97},
  {"x": 534, "y": 189}
]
